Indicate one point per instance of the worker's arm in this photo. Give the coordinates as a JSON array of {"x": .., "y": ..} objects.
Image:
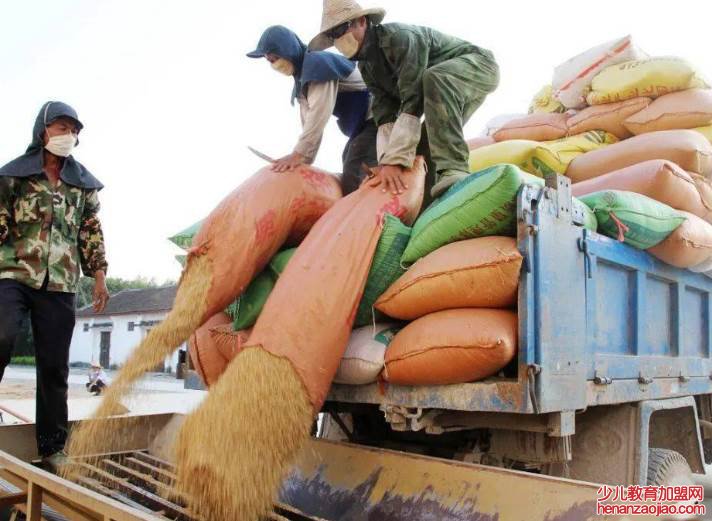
[
  {"x": 384, "y": 109},
  {"x": 92, "y": 252},
  {"x": 6, "y": 203},
  {"x": 410, "y": 51},
  {"x": 385, "y": 120},
  {"x": 315, "y": 109},
  {"x": 315, "y": 113}
]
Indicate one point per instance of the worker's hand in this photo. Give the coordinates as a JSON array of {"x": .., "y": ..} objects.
[
  {"x": 288, "y": 162},
  {"x": 100, "y": 295},
  {"x": 390, "y": 178}
]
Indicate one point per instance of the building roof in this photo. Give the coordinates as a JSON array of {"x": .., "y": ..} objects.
[{"x": 149, "y": 300}]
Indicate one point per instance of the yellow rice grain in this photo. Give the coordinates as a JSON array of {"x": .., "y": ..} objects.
[{"x": 234, "y": 450}]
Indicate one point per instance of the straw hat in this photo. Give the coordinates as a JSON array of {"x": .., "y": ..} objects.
[
  {"x": 95, "y": 364},
  {"x": 337, "y": 12}
]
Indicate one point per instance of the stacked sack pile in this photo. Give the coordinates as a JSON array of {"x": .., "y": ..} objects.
[
  {"x": 651, "y": 190},
  {"x": 646, "y": 168},
  {"x": 460, "y": 291},
  {"x": 455, "y": 305},
  {"x": 439, "y": 307},
  {"x": 633, "y": 134},
  {"x": 439, "y": 304}
]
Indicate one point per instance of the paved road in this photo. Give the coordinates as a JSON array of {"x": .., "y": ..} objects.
[
  {"x": 153, "y": 394},
  {"x": 151, "y": 382}
]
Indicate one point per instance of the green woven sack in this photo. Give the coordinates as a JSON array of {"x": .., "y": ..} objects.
[
  {"x": 589, "y": 217},
  {"x": 480, "y": 205},
  {"x": 184, "y": 239},
  {"x": 633, "y": 218},
  {"x": 248, "y": 306},
  {"x": 385, "y": 268},
  {"x": 279, "y": 261}
]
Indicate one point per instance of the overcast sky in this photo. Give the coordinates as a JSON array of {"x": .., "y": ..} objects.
[{"x": 170, "y": 102}]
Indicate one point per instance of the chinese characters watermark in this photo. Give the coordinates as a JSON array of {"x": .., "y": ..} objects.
[{"x": 650, "y": 500}]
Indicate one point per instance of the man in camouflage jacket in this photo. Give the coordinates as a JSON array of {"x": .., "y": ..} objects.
[
  {"x": 411, "y": 72},
  {"x": 49, "y": 228}
]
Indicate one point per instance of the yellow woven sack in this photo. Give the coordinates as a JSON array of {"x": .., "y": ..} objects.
[
  {"x": 555, "y": 156},
  {"x": 705, "y": 131},
  {"x": 539, "y": 158},
  {"x": 545, "y": 102},
  {"x": 515, "y": 151},
  {"x": 652, "y": 78}
]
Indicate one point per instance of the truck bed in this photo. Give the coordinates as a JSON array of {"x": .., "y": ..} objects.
[{"x": 599, "y": 323}]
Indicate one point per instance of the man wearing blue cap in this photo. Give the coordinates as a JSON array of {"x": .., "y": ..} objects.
[{"x": 324, "y": 84}]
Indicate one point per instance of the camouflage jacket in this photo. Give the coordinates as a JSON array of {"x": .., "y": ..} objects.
[
  {"x": 46, "y": 231},
  {"x": 393, "y": 60}
]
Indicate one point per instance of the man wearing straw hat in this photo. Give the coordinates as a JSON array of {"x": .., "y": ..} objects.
[{"x": 412, "y": 71}]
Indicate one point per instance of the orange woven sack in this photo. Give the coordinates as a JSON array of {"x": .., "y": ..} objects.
[
  {"x": 481, "y": 272},
  {"x": 688, "y": 246},
  {"x": 452, "y": 346},
  {"x": 250, "y": 225},
  {"x": 686, "y": 148},
  {"x": 229, "y": 342},
  {"x": 608, "y": 117},
  {"x": 482, "y": 141},
  {"x": 685, "y": 109},
  {"x": 208, "y": 361},
  {"x": 308, "y": 317},
  {"x": 658, "y": 179},
  {"x": 534, "y": 127}
]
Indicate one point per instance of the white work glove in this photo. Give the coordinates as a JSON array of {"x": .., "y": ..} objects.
[{"x": 401, "y": 140}]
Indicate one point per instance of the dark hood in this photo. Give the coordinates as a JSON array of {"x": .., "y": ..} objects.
[
  {"x": 286, "y": 44},
  {"x": 308, "y": 66},
  {"x": 326, "y": 66},
  {"x": 30, "y": 163}
]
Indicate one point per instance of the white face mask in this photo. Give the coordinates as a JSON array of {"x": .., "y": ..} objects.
[
  {"x": 61, "y": 145},
  {"x": 347, "y": 45},
  {"x": 283, "y": 66}
]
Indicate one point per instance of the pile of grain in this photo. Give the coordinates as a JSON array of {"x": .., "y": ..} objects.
[
  {"x": 233, "y": 451},
  {"x": 91, "y": 436}
]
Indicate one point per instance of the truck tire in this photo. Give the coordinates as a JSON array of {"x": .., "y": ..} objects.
[{"x": 668, "y": 468}]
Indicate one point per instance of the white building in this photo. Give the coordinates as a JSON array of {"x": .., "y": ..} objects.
[{"x": 110, "y": 336}]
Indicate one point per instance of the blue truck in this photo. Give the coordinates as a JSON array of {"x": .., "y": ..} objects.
[{"x": 612, "y": 379}]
